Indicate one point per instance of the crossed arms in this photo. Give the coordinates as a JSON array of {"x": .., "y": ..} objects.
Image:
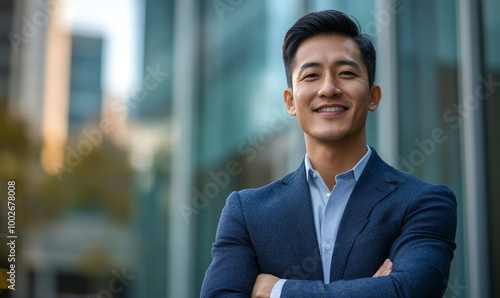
[
  {"x": 265, "y": 282},
  {"x": 421, "y": 255}
]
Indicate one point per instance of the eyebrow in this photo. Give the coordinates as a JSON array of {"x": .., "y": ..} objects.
[
  {"x": 309, "y": 64},
  {"x": 337, "y": 63}
]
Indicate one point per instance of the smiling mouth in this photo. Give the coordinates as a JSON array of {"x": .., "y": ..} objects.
[{"x": 331, "y": 109}]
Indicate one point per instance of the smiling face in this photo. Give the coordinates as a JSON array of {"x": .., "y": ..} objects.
[{"x": 330, "y": 93}]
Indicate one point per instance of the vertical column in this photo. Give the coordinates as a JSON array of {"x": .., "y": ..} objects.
[
  {"x": 387, "y": 120},
  {"x": 57, "y": 72},
  {"x": 473, "y": 149},
  {"x": 179, "y": 259},
  {"x": 28, "y": 42}
]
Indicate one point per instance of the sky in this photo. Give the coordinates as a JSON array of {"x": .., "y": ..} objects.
[{"x": 120, "y": 23}]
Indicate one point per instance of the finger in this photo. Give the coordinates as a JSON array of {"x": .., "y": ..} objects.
[
  {"x": 255, "y": 286},
  {"x": 382, "y": 269},
  {"x": 385, "y": 269}
]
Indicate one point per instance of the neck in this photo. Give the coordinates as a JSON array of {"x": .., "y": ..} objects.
[{"x": 333, "y": 158}]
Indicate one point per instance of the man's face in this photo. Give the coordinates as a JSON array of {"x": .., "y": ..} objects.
[{"x": 330, "y": 94}]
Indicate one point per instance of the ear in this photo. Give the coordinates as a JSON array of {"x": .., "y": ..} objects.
[
  {"x": 375, "y": 97},
  {"x": 289, "y": 102}
]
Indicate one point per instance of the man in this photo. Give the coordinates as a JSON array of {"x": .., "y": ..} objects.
[{"x": 344, "y": 224}]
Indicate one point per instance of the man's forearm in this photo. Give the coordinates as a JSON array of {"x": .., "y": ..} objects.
[{"x": 265, "y": 282}]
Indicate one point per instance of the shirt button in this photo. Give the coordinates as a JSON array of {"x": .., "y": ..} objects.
[
  {"x": 328, "y": 194},
  {"x": 328, "y": 246}
]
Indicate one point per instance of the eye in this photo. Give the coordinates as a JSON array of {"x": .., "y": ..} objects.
[
  {"x": 347, "y": 73},
  {"x": 310, "y": 76}
]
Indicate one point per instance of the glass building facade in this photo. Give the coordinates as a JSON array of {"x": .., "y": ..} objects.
[{"x": 122, "y": 178}]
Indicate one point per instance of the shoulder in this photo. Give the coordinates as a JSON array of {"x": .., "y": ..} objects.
[
  {"x": 262, "y": 192},
  {"x": 273, "y": 193},
  {"x": 422, "y": 189},
  {"x": 412, "y": 200},
  {"x": 405, "y": 189},
  {"x": 405, "y": 181}
]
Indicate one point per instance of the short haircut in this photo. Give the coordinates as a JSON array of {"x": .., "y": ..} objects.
[{"x": 327, "y": 22}]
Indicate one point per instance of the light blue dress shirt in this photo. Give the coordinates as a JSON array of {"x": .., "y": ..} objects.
[{"x": 328, "y": 208}]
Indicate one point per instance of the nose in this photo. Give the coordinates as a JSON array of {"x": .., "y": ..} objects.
[{"x": 329, "y": 88}]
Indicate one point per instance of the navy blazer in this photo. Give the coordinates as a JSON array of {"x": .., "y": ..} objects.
[{"x": 390, "y": 214}]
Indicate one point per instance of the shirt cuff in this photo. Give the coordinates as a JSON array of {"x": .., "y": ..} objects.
[{"x": 276, "y": 291}]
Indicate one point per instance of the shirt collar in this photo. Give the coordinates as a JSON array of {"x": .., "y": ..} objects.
[{"x": 357, "y": 169}]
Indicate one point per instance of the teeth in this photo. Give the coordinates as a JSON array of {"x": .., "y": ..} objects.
[{"x": 331, "y": 109}]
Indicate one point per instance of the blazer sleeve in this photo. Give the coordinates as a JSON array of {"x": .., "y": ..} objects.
[
  {"x": 234, "y": 265},
  {"x": 422, "y": 255}
]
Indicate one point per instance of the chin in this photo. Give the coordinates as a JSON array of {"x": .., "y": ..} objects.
[{"x": 329, "y": 138}]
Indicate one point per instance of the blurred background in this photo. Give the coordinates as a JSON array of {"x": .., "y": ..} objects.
[{"x": 125, "y": 124}]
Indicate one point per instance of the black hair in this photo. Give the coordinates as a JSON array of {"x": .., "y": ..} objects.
[{"x": 327, "y": 22}]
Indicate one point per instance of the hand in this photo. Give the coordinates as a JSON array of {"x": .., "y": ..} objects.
[
  {"x": 265, "y": 282},
  {"x": 385, "y": 269},
  {"x": 264, "y": 285}
]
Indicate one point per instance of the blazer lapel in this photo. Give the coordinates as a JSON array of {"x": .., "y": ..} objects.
[
  {"x": 377, "y": 181},
  {"x": 300, "y": 232}
]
